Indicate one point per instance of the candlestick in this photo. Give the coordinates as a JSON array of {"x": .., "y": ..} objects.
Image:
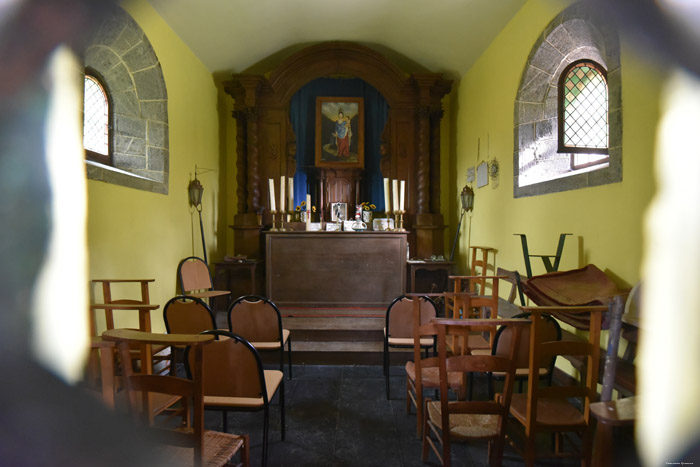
[
  {"x": 283, "y": 217},
  {"x": 402, "y": 196},
  {"x": 273, "y": 207},
  {"x": 395, "y": 195},
  {"x": 290, "y": 208},
  {"x": 387, "y": 207},
  {"x": 283, "y": 192},
  {"x": 274, "y": 224},
  {"x": 399, "y": 215}
]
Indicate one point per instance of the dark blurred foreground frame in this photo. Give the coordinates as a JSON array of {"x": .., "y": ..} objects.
[{"x": 43, "y": 421}]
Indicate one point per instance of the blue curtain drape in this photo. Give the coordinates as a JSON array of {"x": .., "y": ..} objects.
[{"x": 302, "y": 114}]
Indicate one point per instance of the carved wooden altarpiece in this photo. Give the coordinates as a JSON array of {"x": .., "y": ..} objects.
[{"x": 410, "y": 147}]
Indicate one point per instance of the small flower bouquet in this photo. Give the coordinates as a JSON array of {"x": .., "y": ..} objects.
[{"x": 364, "y": 211}]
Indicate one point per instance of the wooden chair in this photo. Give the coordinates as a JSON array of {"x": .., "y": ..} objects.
[
  {"x": 259, "y": 321},
  {"x": 550, "y": 409},
  {"x": 422, "y": 373},
  {"x": 195, "y": 279},
  {"x": 194, "y": 446},
  {"x": 483, "y": 305},
  {"x": 186, "y": 314},
  {"x": 234, "y": 380},
  {"x": 479, "y": 266},
  {"x": 551, "y": 331},
  {"x": 398, "y": 330},
  {"x": 466, "y": 420}
]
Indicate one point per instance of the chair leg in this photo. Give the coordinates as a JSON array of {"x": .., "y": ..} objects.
[
  {"x": 245, "y": 451},
  {"x": 386, "y": 370},
  {"x": 426, "y": 435},
  {"x": 289, "y": 356},
  {"x": 266, "y": 419},
  {"x": 282, "y": 408}
]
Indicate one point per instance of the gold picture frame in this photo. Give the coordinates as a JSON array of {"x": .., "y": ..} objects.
[{"x": 340, "y": 132}]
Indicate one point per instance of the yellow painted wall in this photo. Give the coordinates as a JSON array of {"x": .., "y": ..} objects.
[
  {"x": 137, "y": 234},
  {"x": 606, "y": 221}
]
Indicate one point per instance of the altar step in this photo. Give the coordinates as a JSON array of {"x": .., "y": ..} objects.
[{"x": 344, "y": 336}]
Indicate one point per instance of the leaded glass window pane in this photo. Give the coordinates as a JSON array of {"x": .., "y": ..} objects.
[
  {"x": 96, "y": 117},
  {"x": 585, "y": 108}
]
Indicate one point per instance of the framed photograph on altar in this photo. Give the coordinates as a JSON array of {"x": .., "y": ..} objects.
[
  {"x": 340, "y": 132},
  {"x": 339, "y": 212}
]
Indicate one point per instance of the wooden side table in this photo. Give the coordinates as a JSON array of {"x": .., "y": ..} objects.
[
  {"x": 243, "y": 277},
  {"x": 434, "y": 269}
]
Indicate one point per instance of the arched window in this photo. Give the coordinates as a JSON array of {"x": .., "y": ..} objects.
[
  {"x": 96, "y": 120},
  {"x": 583, "y": 113},
  {"x": 568, "y": 109}
]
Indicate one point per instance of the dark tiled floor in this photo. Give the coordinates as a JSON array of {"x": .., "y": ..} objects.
[{"x": 339, "y": 416}]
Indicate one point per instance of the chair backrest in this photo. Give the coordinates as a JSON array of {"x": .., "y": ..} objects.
[
  {"x": 540, "y": 350},
  {"x": 550, "y": 331},
  {"x": 190, "y": 389},
  {"x": 466, "y": 362},
  {"x": 194, "y": 275},
  {"x": 399, "y": 315},
  {"x": 187, "y": 315},
  {"x": 232, "y": 367},
  {"x": 107, "y": 297},
  {"x": 255, "y": 318}
]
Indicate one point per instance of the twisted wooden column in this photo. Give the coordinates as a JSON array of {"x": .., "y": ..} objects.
[
  {"x": 241, "y": 162},
  {"x": 253, "y": 159},
  {"x": 423, "y": 160},
  {"x": 435, "y": 118}
]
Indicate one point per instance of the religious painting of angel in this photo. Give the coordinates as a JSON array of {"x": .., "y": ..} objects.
[{"x": 340, "y": 132}]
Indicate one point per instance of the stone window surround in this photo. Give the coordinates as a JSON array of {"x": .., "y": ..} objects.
[
  {"x": 574, "y": 34},
  {"x": 121, "y": 54}
]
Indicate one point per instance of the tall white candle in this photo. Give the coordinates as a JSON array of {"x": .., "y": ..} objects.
[
  {"x": 290, "y": 199},
  {"x": 272, "y": 195},
  {"x": 387, "y": 208},
  {"x": 402, "y": 196},
  {"x": 283, "y": 192},
  {"x": 308, "y": 211},
  {"x": 395, "y": 194}
]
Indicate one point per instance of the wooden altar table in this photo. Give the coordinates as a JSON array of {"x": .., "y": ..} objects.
[{"x": 335, "y": 268}]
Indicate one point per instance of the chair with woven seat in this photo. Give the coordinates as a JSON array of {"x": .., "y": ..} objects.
[
  {"x": 398, "y": 330},
  {"x": 422, "y": 373},
  {"x": 551, "y": 331},
  {"x": 259, "y": 321},
  {"x": 467, "y": 420},
  {"x": 195, "y": 279},
  {"x": 559, "y": 409},
  {"x": 187, "y": 447},
  {"x": 234, "y": 380}
]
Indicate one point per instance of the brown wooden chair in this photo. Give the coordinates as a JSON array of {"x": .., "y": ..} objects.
[
  {"x": 259, "y": 321},
  {"x": 465, "y": 420},
  {"x": 195, "y": 279},
  {"x": 422, "y": 373},
  {"x": 551, "y": 409},
  {"x": 186, "y": 314},
  {"x": 483, "y": 304},
  {"x": 234, "y": 380},
  {"x": 398, "y": 330},
  {"x": 192, "y": 446},
  {"x": 551, "y": 331}
]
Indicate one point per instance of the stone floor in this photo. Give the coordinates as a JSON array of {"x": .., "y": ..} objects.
[{"x": 339, "y": 416}]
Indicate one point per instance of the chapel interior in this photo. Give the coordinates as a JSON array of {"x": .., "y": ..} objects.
[{"x": 455, "y": 164}]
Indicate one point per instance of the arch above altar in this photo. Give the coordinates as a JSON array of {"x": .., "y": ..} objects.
[{"x": 408, "y": 146}]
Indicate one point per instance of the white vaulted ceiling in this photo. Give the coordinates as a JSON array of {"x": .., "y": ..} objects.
[{"x": 444, "y": 36}]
